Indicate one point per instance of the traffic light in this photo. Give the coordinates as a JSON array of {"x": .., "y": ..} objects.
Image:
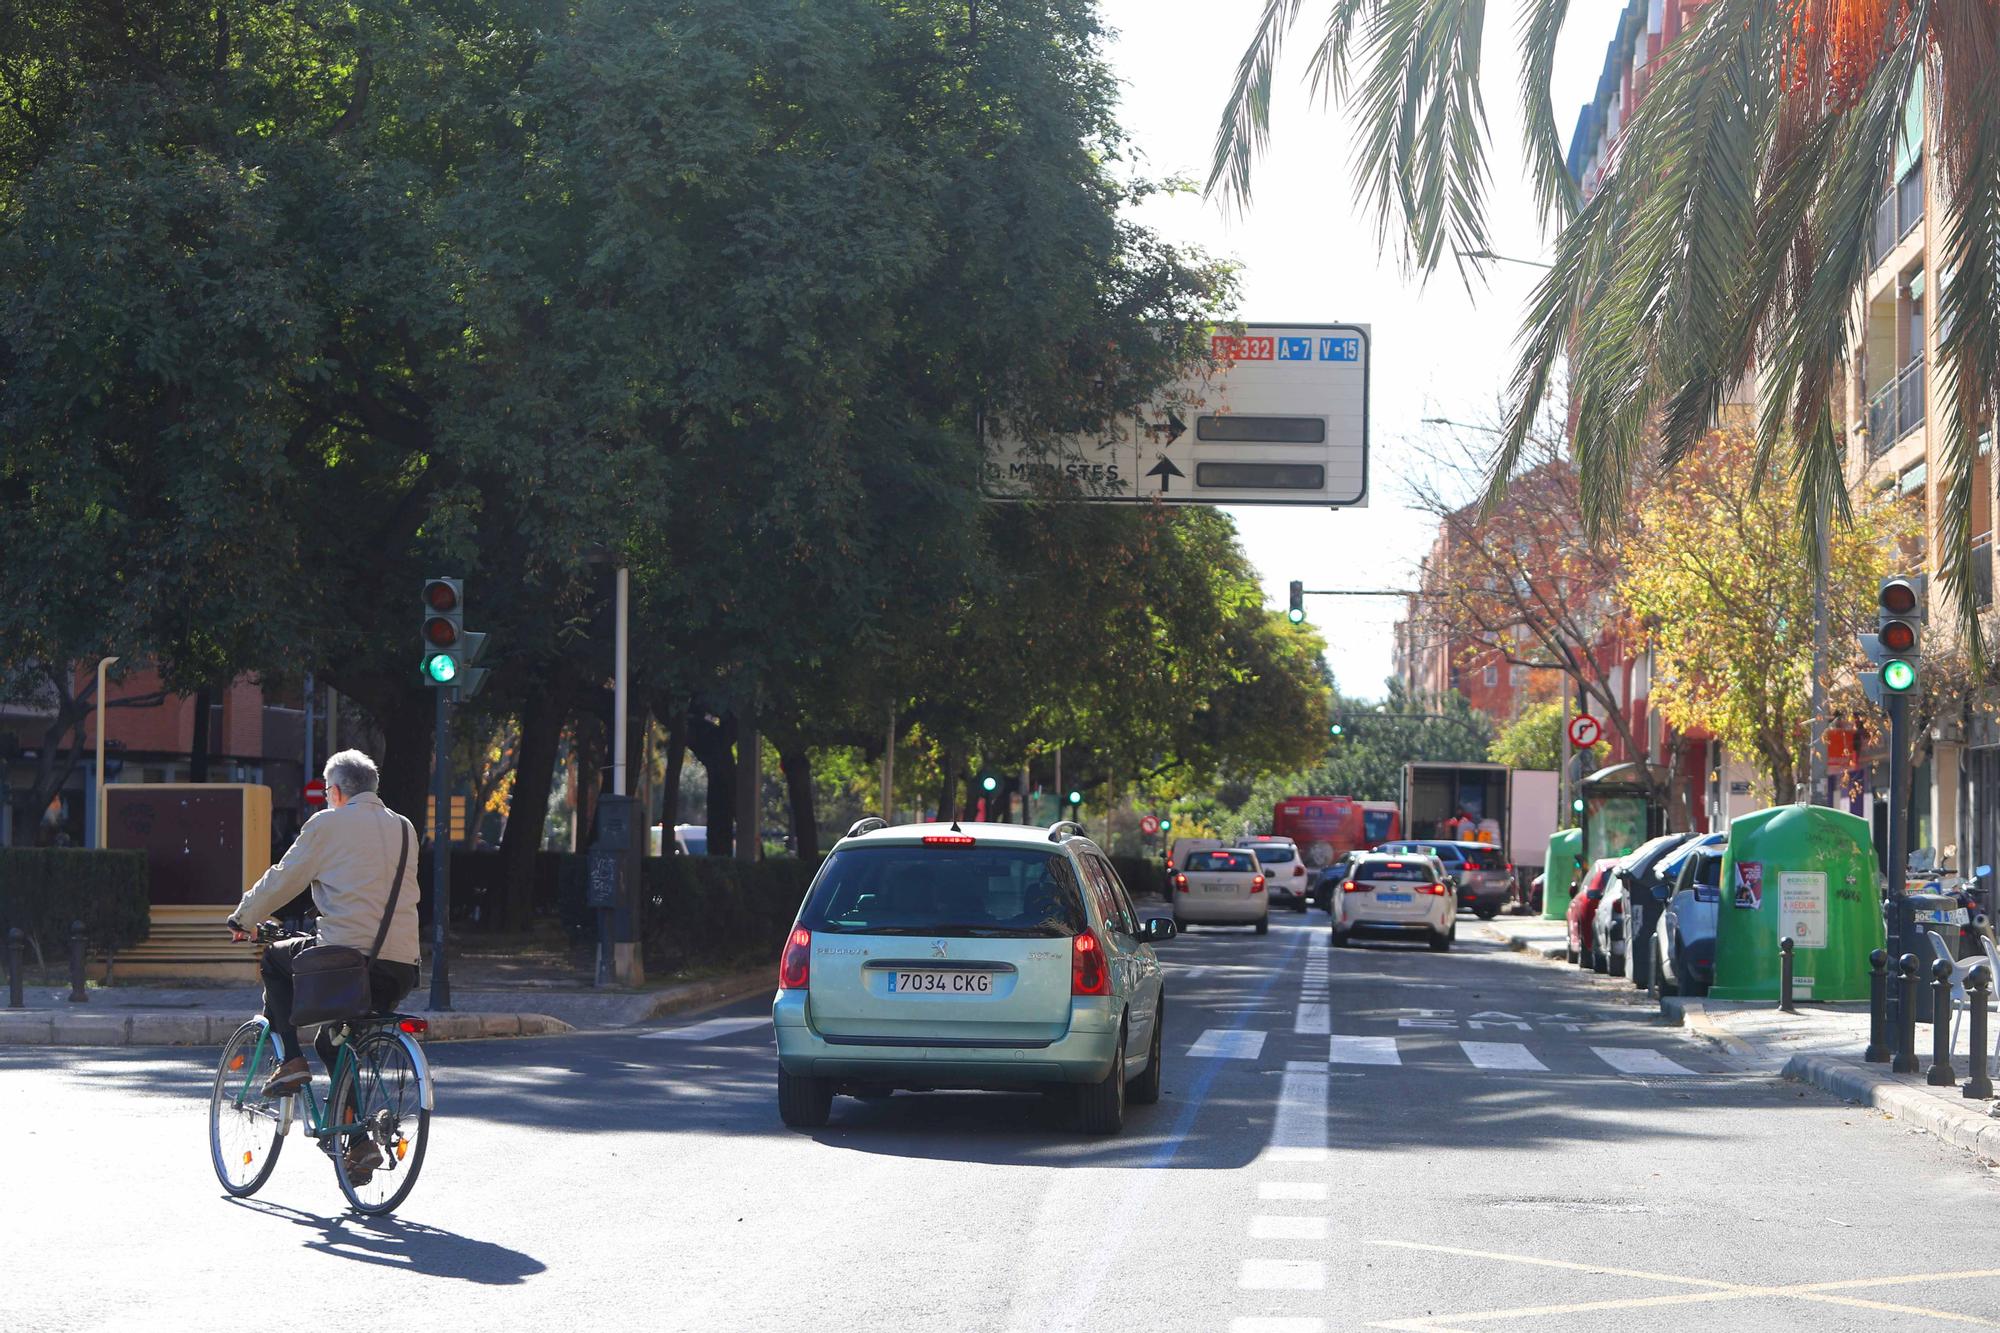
[
  {"x": 444, "y": 631},
  {"x": 1075, "y": 798},
  {"x": 1166, "y": 824},
  {"x": 1895, "y": 644},
  {"x": 989, "y": 784},
  {"x": 1337, "y": 729},
  {"x": 1296, "y": 613}
]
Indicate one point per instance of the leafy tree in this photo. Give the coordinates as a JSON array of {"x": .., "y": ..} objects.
[
  {"x": 1535, "y": 739},
  {"x": 1715, "y": 577}
]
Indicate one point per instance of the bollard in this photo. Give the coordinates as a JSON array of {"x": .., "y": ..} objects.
[
  {"x": 1785, "y": 975},
  {"x": 1878, "y": 1008},
  {"x": 1906, "y": 1016},
  {"x": 1941, "y": 1074},
  {"x": 14, "y": 1000},
  {"x": 77, "y": 994},
  {"x": 1978, "y": 987}
]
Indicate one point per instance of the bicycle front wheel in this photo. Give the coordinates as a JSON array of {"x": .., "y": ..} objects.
[
  {"x": 379, "y": 1100},
  {"x": 245, "y": 1131}
]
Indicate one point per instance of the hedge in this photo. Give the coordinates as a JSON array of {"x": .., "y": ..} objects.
[
  {"x": 43, "y": 889},
  {"x": 706, "y": 910},
  {"x": 1143, "y": 876}
]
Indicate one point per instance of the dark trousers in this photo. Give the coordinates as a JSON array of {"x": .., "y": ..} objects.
[{"x": 388, "y": 983}]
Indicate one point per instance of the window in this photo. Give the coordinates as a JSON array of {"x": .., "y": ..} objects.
[
  {"x": 1104, "y": 882},
  {"x": 1395, "y": 872},
  {"x": 1517, "y": 676},
  {"x": 1221, "y": 861},
  {"x": 1492, "y": 676},
  {"x": 976, "y": 891}
]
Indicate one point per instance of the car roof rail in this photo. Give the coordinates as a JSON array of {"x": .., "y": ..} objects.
[
  {"x": 868, "y": 825},
  {"x": 1075, "y": 830}
]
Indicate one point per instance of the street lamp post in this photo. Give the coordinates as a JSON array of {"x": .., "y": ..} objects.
[{"x": 97, "y": 818}]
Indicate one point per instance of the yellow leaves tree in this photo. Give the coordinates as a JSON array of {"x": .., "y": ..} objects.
[{"x": 1718, "y": 577}]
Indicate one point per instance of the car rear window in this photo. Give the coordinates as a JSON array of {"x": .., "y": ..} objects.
[
  {"x": 1412, "y": 872},
  {"x": 1375, "y": 824},
  {"x": 1484, "y": 858},
  {"x": 1221, "y": 861},
  {"x": 1273, "y": 855},
  {"x": 979, "y": 891}
]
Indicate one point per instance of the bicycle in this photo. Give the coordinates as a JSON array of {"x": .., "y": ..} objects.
[{"x": 381, "y": 1090}]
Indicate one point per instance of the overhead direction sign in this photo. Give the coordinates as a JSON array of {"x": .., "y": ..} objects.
[{"x": 1280, "y": 418}]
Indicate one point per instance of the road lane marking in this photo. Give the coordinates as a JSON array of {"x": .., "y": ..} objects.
[
  {"x": 1228, "y": 1044},
  {"x": 1298, "y": 1123},
  {"x": 1632, "y": 1060},
  {"x": 1314, "y": 1020},
  {"x": 1271, "y": 1227},
  {"x": 1277, "y": 1324},
  {"x": 710, "y": 1028},
  {"x": 1364, "y": 1051},
  {"x": 1500, "y": 1055},
  {"x": 1291, "y": 1189},
  {"x": 1282, "y": 1275}
]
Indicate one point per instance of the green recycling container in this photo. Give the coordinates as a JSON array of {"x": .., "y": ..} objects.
[
  {"x": 1564, "y": 849},
  {"x": 1808, "y": 872}
]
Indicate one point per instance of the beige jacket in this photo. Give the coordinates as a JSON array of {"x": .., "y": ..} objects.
[{"x": 348, "y": 856}]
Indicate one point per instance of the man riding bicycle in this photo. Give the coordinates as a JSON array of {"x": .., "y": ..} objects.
[{"x": 348, "y": 853}]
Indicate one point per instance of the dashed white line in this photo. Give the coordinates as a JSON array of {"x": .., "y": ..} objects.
[
  {"x": 1228, "y": 1044},
  {"x": 1314, "y": 1020},
  {"x": 1287, "y": 1228},
  {"x": 1298, "y": 1123},
  {"x": 1500, "y": 1055},
  {"x": 1631, "y": 1060},
  {"x": 1364, "y": 1051}
]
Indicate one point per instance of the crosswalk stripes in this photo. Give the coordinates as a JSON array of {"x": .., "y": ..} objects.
[
  {"x": 1364, "y": 1051},
  {"x": 1497, "y": 1056},
  {"x": 711, "y": 1028},
  {"x": 1313, "y": 1020},
  {"x": 1229, "y": 1044},
  {"x": 1500, "y": 1055},
  {"x": 1636, "y": 1060}
]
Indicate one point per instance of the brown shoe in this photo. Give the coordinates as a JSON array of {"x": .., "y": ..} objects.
[
  {"x": 362, "y": 1159},
  {"x": 289, "y": 1078}
]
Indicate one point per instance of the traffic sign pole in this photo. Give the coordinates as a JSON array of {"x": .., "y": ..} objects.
[{"x": 440, "y": 857}]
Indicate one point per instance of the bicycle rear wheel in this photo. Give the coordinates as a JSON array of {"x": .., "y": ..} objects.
[
  {"x": 245, "y": 1131},
  {"x": 380, "y": 1097}
]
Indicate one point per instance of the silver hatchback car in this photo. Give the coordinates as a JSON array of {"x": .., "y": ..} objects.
[{"x": 991, "y": 956}]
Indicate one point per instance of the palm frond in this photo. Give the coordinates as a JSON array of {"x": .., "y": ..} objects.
[
  {"x": 1556, "y": 194},
  {"x": 1246, "y": 117}
]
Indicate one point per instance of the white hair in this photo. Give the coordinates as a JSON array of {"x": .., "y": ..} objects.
[{"x": 353, "y": 772}]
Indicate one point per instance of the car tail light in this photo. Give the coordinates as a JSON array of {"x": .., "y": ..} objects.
[
  {"x": 1349, "y": 886},
  {"x": 949, "y": 840},
  {"x": 1256, "y": 884},
  {"x": 794, "y": 968},
  {"x": 1087, "y": 973},
  {"x": 1436, "y": 890},
  {"x": 1180, "y": 882},
  {"x": 1298, "y": 871}
]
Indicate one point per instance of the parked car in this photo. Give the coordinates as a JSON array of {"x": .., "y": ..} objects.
[
  {"x": 1222, "y": 886},
  {"x": 1399, "y": 896},
  {"x": 1616, "y": 908},
  {"x": 1684, "y": 941},
  {"x": 1482, "y": 875},
  {"x": 1648, "y": 894},
  {"x": 969, "y": 956},
  {"x": 1327, "y": 882},
  {"x": 1180, "y": 848},
  {"x": 1284, "y": 870},
  {"x": 1582, "y": 910}
]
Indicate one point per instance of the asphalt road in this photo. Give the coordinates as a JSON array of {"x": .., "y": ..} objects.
[{"x": 1373, "y": 1137}]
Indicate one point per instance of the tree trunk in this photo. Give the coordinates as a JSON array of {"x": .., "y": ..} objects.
[
  {"x": 407, "y": 724},
  {"x": 199, "y": 746},
  {"x": 797, "y": 767},
  {"x": 542, "y": 712},
  {"x": 1784, "y": 776},
  {"x": 714, "y": 743},
  {"x": 948, "y": 788},
  {"x": 593, "y": 758},
  {"x": 670, "y": 786}
]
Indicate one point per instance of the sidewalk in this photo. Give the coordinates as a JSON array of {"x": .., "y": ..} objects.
[
  {"x": 205, "y": 1016},
  {"x": 1820, "y": 1045}
]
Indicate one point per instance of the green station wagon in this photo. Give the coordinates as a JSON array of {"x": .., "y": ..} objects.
[{"x": 987, "y": 956}]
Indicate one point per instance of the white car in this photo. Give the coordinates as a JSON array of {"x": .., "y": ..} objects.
[
  {"x": 1397, "y": 897},
  {"x": 1222, "y": 886},
  {"x": 1285, "y": 875}
]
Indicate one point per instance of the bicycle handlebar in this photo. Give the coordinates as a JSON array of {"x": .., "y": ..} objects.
[{"x": 265, "y": 932}]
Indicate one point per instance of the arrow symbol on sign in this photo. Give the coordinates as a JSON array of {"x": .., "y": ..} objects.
[
  {"x": 1164, "y": 469},
  {"x": 1173, "y": 426}
]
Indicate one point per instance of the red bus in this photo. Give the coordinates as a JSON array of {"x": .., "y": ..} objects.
[
  {"x": 1326, "y": 828},
  {"x": 1381, "y": 821}
]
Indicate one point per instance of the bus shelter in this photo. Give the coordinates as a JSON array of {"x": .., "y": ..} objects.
[{"x": 1623, "y": 806}]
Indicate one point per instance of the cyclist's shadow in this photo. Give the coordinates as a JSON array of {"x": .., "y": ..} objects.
[{"x": 409, "y": 1246}]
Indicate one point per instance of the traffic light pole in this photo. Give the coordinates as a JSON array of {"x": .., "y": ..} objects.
[
  {"x": 440, "y": 854},
  {"x": 1898, "y": 868}
]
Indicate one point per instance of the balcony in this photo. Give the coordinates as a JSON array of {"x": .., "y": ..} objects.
[
  {"x": 1896, "y": 213},
  {"x": 1982, "y": 574},
  {"x": 1910, "y": 397}
]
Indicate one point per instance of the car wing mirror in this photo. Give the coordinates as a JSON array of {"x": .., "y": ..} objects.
[{"x": 1157, "y": 929}]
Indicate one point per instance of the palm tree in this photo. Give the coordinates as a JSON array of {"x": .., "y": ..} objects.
[{"x": 1728, "y": 231}]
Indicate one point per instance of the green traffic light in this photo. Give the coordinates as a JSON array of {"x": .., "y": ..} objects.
[
  {"x": 1898, "y": 675},
  {"x": 1166, "y": 824},
  {"x": 442, "y": 668},
  {"x": 1338, "y": 729},
  {"x": 1296, "y": 615},
  {"x": 1577, "y": 805},
  {"x": 989, "y": 783},
  {"x": 1075, "y": 797}
]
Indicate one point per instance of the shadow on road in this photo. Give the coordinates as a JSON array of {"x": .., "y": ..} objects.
[{"x": 409, "y": 1246}]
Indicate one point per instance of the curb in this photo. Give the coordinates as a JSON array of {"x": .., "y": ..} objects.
[
  {"x": 1962, "y": 1127},
  {"x": 1684, "y": 1011},
  {"x": 30, "y": 1029},
  {"x": 707, "y": 993},
  {"x": 1520, "y": 944}
]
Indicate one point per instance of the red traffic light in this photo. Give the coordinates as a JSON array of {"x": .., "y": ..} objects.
[
  {"x": 439, "y": 595},
  {"x": 1898, "y": 597},
  {"x": 440, "y": 632},
  {"x": 1898, "y": 636}
]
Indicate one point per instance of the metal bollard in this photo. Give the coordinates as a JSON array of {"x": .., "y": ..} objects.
[
  {"x": 1785, "y": 975},
  {"x": 1906, "y": 1016},
  {"x": 1978, "y": 987},
  {"x": 1941, "y": 1074},
  {"x": 14, "y": 1000},
  {"x": 77, "y": 994},
  {"x": 1878, "y": 1008}
]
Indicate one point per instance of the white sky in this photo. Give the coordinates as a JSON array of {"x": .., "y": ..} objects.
[{"x": 1309, "y": 255}]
